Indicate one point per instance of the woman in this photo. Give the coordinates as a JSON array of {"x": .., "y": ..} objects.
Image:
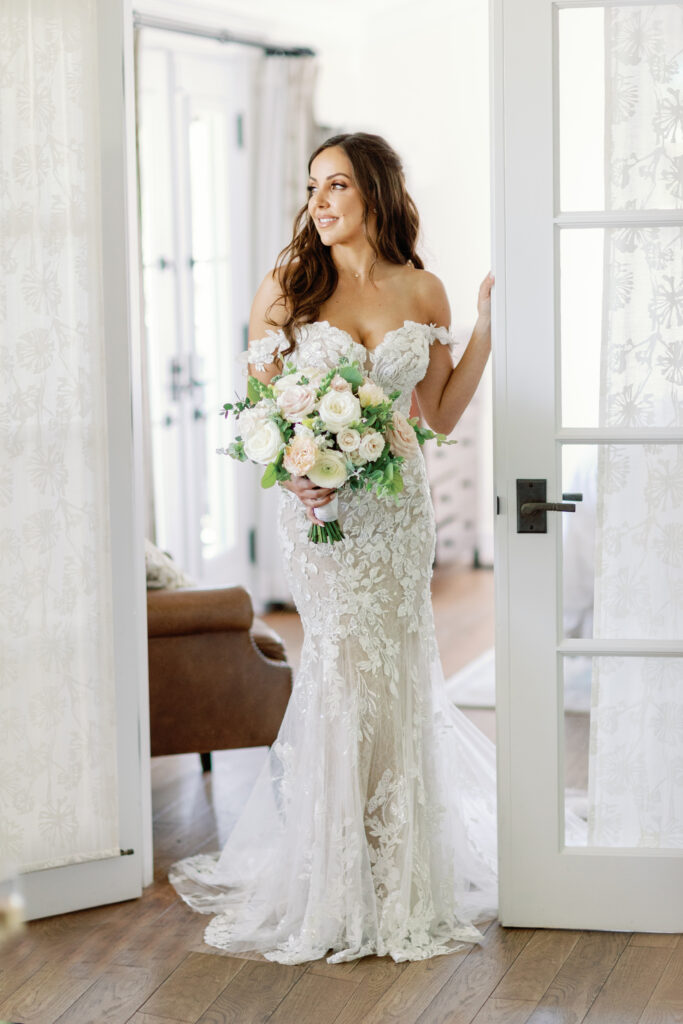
[{"x": 371, "y": 827}]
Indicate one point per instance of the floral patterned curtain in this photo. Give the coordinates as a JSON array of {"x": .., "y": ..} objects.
[
  {"x": 635, "y": 761},
  {"x": 58, "y": 780}
]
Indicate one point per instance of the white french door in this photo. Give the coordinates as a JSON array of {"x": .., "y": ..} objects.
[
  {"x": 588, "y": 399},
  {"x": 193, "y": 97}
]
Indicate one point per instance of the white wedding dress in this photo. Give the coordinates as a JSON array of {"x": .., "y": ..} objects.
[{"x": 371, "y": 828}]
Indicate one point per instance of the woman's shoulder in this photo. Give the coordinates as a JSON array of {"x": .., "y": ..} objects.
[{"x": 429, "y": 297}]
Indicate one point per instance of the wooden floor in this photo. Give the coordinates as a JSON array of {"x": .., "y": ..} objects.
[{"x": 144, "y": 961}]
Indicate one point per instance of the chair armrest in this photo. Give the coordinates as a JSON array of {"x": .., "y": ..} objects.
[
  {"x": 268, "y": 642},
  {"x": 198, "y": 610}
]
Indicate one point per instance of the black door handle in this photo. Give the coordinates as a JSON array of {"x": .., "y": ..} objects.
[{"x": 532, "y": 506}]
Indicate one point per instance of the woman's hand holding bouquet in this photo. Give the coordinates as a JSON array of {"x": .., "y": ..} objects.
[{"x": 332, "y": 428}]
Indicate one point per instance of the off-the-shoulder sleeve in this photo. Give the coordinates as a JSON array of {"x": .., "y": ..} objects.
[
  {"x": 442, "y": 334},
  {"x": 261, "y": 351}
]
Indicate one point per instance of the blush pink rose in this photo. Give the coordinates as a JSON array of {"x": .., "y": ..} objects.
[
  {"x": 402, "y": 438},
  {"x": 296, "y": 401},
  {"x": 339, "y": 384},
  {"x": 300, "y": 455}
]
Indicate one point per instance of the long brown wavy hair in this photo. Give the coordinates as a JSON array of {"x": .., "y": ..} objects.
[{"x": 307, "y": 273}]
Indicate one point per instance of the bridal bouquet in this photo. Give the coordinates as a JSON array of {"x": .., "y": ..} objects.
[{"x": 334, "y": 426}]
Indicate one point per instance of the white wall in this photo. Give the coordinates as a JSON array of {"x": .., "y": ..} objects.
[{"x": 421, "y": 80}]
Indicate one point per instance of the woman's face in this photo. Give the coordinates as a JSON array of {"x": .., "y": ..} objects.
[{"x": 334, "y": 203}]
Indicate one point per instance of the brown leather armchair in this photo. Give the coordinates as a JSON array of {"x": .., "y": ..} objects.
[{"x": 218, "y": 678}]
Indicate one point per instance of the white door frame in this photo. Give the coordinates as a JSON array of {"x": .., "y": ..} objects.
[
  {"x": 543, "y": 883},
  {"x": 131, "y": 255}
]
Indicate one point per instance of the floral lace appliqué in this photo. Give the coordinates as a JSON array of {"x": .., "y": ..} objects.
[{"x": 371, "y": 828}]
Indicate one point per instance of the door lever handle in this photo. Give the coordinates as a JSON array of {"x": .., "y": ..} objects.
[
  {"x": 529, "y": 507},
  {"x": 532, "y": 505}
]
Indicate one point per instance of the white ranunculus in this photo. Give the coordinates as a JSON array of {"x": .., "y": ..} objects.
[
  {"x": 250, "y": 420},
  {"x": 328, "y": 470},
  {"x": 371, "y": 445},
  {"x": 263, "y": 445},
  {"x": 348, "y": 439},
  {"x": 338, "y": 409}
]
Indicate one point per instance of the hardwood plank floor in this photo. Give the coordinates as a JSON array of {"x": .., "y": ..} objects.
[
  {"x": 144, "y": 961},
  {"x": 468, "y": 988},
  {"x": 254, "y": 993}
]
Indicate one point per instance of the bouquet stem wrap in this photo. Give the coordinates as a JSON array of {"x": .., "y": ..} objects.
[{"x": 329, "y": 529}]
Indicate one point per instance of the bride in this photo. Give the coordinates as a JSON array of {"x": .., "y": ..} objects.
[{"x": 371, "y": 828}]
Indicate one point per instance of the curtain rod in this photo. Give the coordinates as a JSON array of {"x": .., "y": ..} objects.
[{"x": 219, "y": 34}]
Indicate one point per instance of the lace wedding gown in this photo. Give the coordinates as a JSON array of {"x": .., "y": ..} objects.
[{"x": 371, "y": 827}]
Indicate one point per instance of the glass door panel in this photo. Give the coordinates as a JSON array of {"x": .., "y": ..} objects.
[
  {"x": 621, "y": 326},
  {"x": 620, "y": 72},
  {"x": 622, "y": 549},
  {"x": 623, "y": 737},
  {"x": 212, "y": 300}
]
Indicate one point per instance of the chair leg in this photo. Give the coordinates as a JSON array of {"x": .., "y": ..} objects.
[{"x": 206, "y": 762}]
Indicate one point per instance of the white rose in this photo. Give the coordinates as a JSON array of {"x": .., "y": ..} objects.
[
  {"x": 402, "y": 438},
  {"x": 263, "y": 445},
  {"x": 328, "y": 470},
  {"x": 296, "y": 401},
  {"x": 338, "y": 409},
  {"x": 348, "y": 439},
  {"x": 371, "y": 445},
  {"x": 287, "y": 381},
  {"x": 250, "y": 420},
  {"x": 311, "y": 373},
  {"x": 301, "y": 431}
]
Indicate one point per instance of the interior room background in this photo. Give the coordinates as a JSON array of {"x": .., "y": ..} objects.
[
  {"x": 75, "y": 795},
  {"x": 71, "y": 708}
]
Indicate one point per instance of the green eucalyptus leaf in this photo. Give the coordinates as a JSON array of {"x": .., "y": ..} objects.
[{"x": 269, "y": 477}]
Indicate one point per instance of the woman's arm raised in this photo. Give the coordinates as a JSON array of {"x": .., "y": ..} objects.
[{"x": 445, "y": 391}]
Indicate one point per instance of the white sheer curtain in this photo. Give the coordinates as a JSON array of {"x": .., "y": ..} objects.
[
  {"x": 284, "y": 135},
  {"x": 635, "y": 766},
  {"x": 58, "y": 779}
]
